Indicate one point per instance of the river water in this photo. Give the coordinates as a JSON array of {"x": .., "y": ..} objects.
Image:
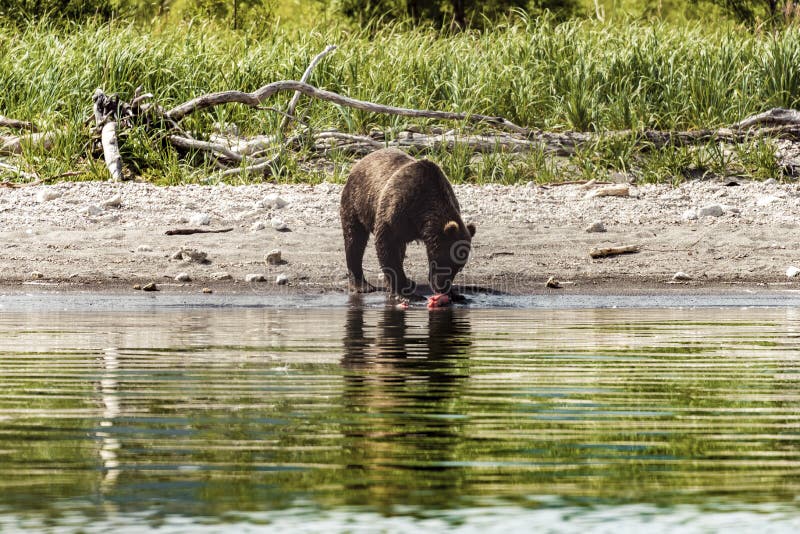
[{"x": 368, "y": 418}]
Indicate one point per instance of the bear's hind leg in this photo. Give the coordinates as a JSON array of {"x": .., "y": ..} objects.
[{"x": 355, "y": 242}]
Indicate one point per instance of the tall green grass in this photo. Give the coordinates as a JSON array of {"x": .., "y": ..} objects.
[{"x": 579, "y": 75}]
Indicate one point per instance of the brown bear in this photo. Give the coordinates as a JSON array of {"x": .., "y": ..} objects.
[{"x": 401, "y": 199}]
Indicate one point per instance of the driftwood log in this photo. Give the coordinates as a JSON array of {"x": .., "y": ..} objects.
[{"x": 236, "y": 155}]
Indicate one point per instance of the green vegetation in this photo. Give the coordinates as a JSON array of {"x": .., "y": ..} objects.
[{"x": 580, "y": 74}]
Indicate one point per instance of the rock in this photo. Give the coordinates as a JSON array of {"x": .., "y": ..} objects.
[
  {"x": 150, "y": 287},
  {"x": 712, "y": 210},
  {"x": 765, "y": 200},
  {"x": 113, "y": 202},
  {"x": 279, "y": 225},
  {"x": 177, "y": 255},
  {"x": 681, "y": 276},
  {"x": 621, "y": 190},
  {"x": 552, "y": 283},
  {"x": 282, "y": 280},
  {"x": 46, "y": 195},
  {"x": 36, "y": 275},
  {"x": 192, "y": 254},
  {"x": 596, "y": 226},
  {"x": 144, "y": 248},
  {"x": 200, "y": 219},
  {"x": 258, "y": 225},
  {"x": 689, "y": 215},
  {"x": 92, "y": 210},
  {"x": 183, "y": 277},
  {"x": 137, "y": 287},
  {"x": 770, "y": 181},
  {"x": 255, "y": 278},
  {"x": 207, "y": 290},
  {"x": 273, "y": 201},
  {"x": 274, "y": 257},
  {"x": 222, "y": 275},
  {"x": 792, "y": 272}
]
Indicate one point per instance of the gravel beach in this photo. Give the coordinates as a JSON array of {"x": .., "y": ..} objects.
[{"x": 104, "y": 236}]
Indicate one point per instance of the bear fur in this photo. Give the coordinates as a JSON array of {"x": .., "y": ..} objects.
[{"x": 400, "y": 199}]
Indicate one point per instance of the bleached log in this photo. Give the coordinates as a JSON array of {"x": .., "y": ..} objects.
[
  {"x": 289, "y": 116},
  {"x": 11, "y": 145},
  {"x": 215, "y": 148},
  {"x": 255, "y": 99},
  {"x": 113, "y": 159},
  {"x": 613, "y": 251}
]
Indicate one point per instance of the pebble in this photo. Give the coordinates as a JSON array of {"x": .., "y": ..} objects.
[
  {"x": 192, "y": 254},
  {"x": 689, "y": 215},
  {"x": 113, "y": 202},
  {"x": 765, "y": 200},
  {"x": 274, "y": 257},
  {"x": 200, "y": 219},
  {"x": 258, "y": 225},
  {"x": 150, "y": 287},
  {"x": 46, "y": 195},
  {"x": 36, "y": 275},
  {"x": 137, "y": 287},
  {"x": 144, "y": 248},
  {"x": 712, "y": 210},
  {"x": 681, "y": 276},
  {"x": 92, "y": 210},
  {"x": 792, "y": 272},
  {"x": 222, "y": 275},
  {"x": 282, "y": 280},
  {"x": 183, "y": 277},
  {"x": 610, "y": 191},
  {"x": 552, "y": 283},
  {"x": 596, "y": 226},
  {"x": 255, "y": 278},
  {"x": 177, "y": 255},
  {"x": 770, "y": 181},
  {"x": 279, "y": 225},
  {"x": 274, "y": 201},
  {"x": 207, "y": 290}
]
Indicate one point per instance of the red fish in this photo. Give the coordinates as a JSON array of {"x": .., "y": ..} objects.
[{"x": 440, "y": 300}]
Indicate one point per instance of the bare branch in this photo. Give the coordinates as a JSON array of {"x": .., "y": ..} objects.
[
  {"x": 255, "y": 98},
  {"x": 16, "y": 124},
  {"x": 16, "y": 144},
  {"x": 296, "y": 97}
]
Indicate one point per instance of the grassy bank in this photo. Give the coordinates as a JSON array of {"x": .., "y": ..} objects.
[{"x": 574, "y": 76}]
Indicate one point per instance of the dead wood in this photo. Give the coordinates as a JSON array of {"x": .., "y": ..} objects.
[
  {"x": 255, "y": 99},
  {"x": 111, "y": 154},
  {"x": 15, "y": 124},
  {"x": 12, "y": 145},
  {"x": 613, "y": 251},
  {"x": 190, "y": 231},
  {"x": 289, "y": 116}
]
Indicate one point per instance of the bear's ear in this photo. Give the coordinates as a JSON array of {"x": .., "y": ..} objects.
[
  {"x": 451, "y": 229},
  {"x": 471, "y": 229}
]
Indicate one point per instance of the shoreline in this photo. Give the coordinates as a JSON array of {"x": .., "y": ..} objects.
[{"x": 106, "y": 237}]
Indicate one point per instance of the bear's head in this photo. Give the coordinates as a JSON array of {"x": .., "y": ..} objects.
[{"x": 449, "y": 255}]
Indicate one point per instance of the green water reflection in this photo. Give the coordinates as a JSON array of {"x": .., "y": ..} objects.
[{"x": 205, "y": 413}]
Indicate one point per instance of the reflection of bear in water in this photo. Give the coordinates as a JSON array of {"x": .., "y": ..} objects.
[
  {"x": 402, "y": 400},
  {"x": 400, "y": 200}
]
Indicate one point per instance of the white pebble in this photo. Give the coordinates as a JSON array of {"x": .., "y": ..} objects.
[
  {"x": 681, "y": 276},
  {"x": 222, "y": 275},
  {"x": 278, "y": 224},
  {"x": 46, "y": 195},
  {"x": 765, "y": 200},
  {"x": 113, "y": 202},
  {"x": 274, "y": 257},
  {"x": 689, "y": 215},
  {"x": 144, "y": 248},
  {"x": 183, "y": 277},
  {"x": 712, "y": 210},
  {"x": 282, "y": 280},
  {"x": 596, "y": 226},
  {"x": 792, "y": 272},
  {"x": 200, "y": 219},
  {"x": 274, "y": 201},
  {"x": 255, "y": 278},
  {"x": 258, "y": 225},
  {"x": 92, "y": 210}
]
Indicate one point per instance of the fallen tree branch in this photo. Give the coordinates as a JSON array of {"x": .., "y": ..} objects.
[
  {"x": 111, "y": 153},
  {"x": 16, "y": 144},
  {"x": 613, "y": 251},
  {"x": 296, "y": 97},
  {"x": 16, "y": 124},
  {"x": 190, "y": 231},
  {"x": 255, "y": 99}
]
